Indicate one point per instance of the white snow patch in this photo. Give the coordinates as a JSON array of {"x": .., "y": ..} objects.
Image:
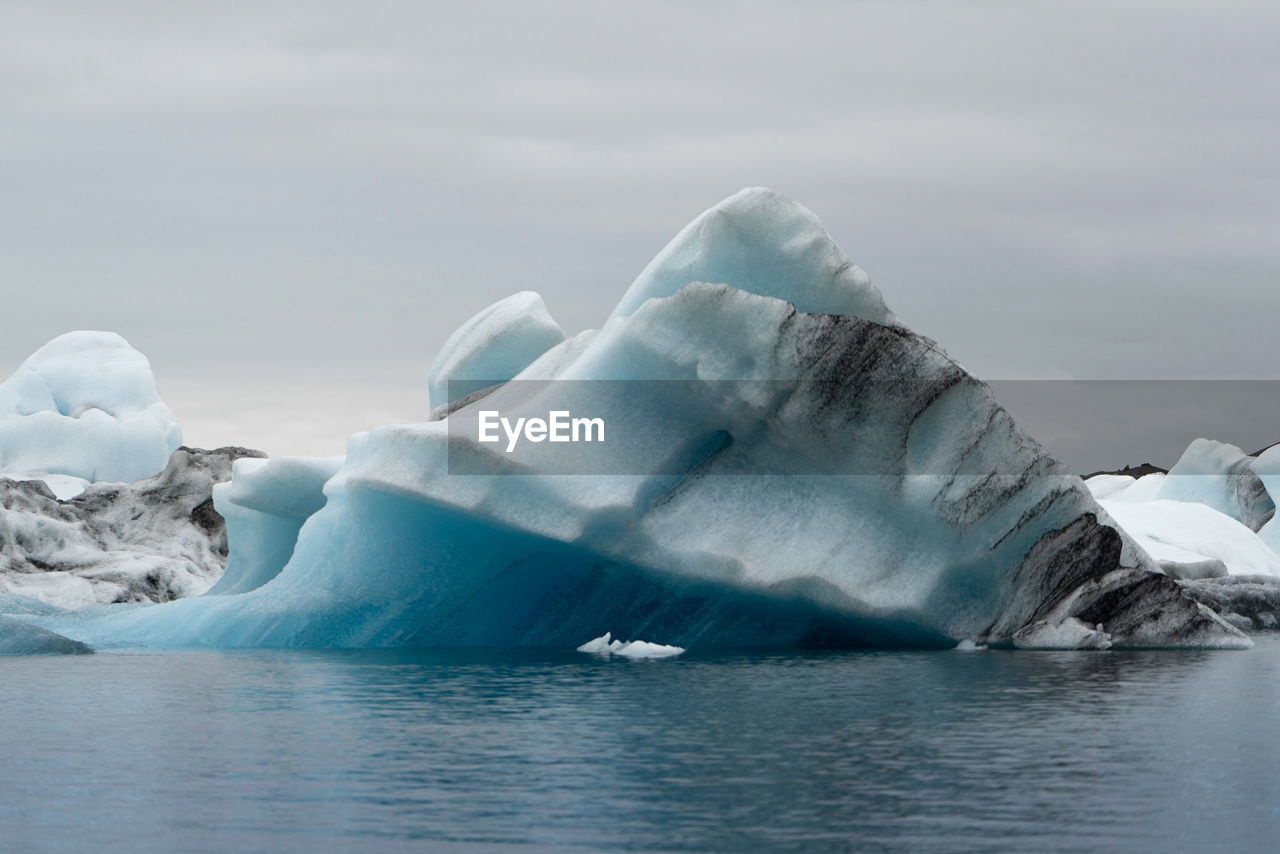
[
  {"x": 1186, "y": 532},
  {"x": 1121, "y": 487}
]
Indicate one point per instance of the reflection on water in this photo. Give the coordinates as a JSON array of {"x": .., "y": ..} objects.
[{"x": 380, "y": 750}]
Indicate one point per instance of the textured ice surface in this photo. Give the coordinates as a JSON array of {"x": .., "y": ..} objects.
[
  {"x": 764, "y": 243},
  {"x": 264, "y": 506},
  {"x": 967, "y": 529},
  {"x": 1198, "y": 521},
  {"x": 1185, "y": 532},
  {"x": 21, "y": 638},
  {"x": 1250, "y": 602},
  {"x": 1220, "y": 476},
  {"x": 150, "y": 541},
  {"x": 1068, "y": 634},
  {"x": 85, "y": 405},
  {"x": 493, "y": 346}
]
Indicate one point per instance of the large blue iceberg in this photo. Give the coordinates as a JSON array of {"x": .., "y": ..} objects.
[{"x": 806, "y": 471}]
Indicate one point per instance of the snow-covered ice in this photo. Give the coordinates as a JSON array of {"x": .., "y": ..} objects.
[
  {"x": 85, "y": 405},
  {"x": 1119, "y": 487},
  {"x": 1188, "y": 532}
]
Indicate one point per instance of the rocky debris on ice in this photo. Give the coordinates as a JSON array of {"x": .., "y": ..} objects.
[
  {"x": 1249, "y": 602},
  {"x": 152, "y": 540},
  {"x": 85, "y": 405},
  {"x": 1131, "y": 472}
]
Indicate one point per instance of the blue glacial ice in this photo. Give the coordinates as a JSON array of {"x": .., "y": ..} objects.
[
  {"x": 264, "y": 505},
  {"x": 952, "y": 525},
  {"x": 1220, "y": 476},
  {"x": 21, "y": 638}
]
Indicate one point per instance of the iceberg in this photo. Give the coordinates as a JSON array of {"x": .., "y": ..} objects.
[
  {"x": 1209, "y": 523},
  {"x": 1220, "y": 476},
  {"x": 85, "y": 405},
  {"x": 827, "y": 478}
]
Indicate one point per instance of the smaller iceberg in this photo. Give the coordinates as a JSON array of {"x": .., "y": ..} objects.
[
  {"x": 85, "y": 405},
  {"x": 606, "y": 645},
  {"x": 1220, "y": 476}
]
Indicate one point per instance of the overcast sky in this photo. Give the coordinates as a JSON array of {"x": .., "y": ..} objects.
[{"x": 288, "y": 206}]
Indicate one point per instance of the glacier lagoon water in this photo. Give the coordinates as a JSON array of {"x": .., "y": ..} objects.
[{"x": 444, "y": 750}]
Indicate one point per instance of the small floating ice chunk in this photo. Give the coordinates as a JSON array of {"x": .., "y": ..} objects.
[
  {"x": 969, "y": 645},
  {"x": 598, "y": 645},
  {"x": 606, "y": 645}
]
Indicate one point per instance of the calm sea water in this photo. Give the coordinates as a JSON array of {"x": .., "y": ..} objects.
[{"x": 545, "y": 750}]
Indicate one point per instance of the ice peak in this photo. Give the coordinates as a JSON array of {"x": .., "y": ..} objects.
[
  {"x": 77, "y": 371},
  {"x": 763, "y": 242},
  {"x": 493, "y": 346}
]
